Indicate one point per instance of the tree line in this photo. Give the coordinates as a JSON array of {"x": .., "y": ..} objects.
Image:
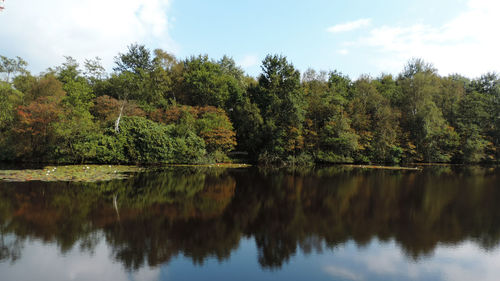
[{"x": 155, "y": 108}]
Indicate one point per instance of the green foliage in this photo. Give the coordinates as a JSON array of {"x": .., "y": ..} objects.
[
  {"x": 388, "y": 87},
  {"x": 188, "y": 149},
  {"x": 79, "y": 95},
  {"x": 142, "y": 77},
  {"x": 206, "y": 82},
  {"x": 435, "y": 140},
  {"x": 471, "y": 121},
  {"x": 282, "y": 105},
  {"x": 373, "y": 120},
  {"x": 210, "y": 123},
  {"x": 340, "y": 86},
  {"x": 338, "y": 141},
  {"x": 11, "y": 66},
  {"x": 137, "y": 59},
  {"x": 105, "y": 148},
  {"x": 217, "y": 131},
  {"x": 46, "y": 86},
  {"x": 248, "y": 124},
  {"x": 10, "y": 98},
  {"x": 24, "y": 82},
  {"x": 301, "y": 160},
  {"x": 145, "y": 141},
  {"x": 199, "y": 110}
]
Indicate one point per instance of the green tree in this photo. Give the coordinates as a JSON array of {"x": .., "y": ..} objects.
[
  {"x": 76, "y": 124},
  {"x": 216, "y": 129},
  {"x": 374, "y": 121},
  {"x": 433, "y": 137},
  {"x": 281, "y": 102},
  {"x": 248, "y": 123},
  {"x": 323, "y": 104},
  {"x": 162, "y": 77},
  {"x": 10, "y": 98},
  {"x": 206, "y": 82},
  {"x": 11, "y": 66},
  {"x": 142, "y": 77},
  {"x": 94, "y": 71},
  {"x": 137, "y": 59},
  {"x": 340, "y": 86},
  {"x": 472, "y": 116},
  {"x": 338, "y": 141},
  {"x": 488, "y": 85},
  {"x": 388, "y": 87}
]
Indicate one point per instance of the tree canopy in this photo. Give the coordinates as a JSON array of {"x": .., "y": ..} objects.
[{"x": 154, "y": 108}]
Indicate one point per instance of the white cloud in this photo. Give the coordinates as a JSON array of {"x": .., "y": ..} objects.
[
  {"x": 349, "y": 26},
  {"x": 248, "y": 61},
  {"x": 467, "y": 44},
  {"x": 343, "y": 52},
  {"x": 42, "y": 32}
]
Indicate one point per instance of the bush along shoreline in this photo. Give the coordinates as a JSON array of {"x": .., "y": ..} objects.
[{"x": 156, "y": 109}]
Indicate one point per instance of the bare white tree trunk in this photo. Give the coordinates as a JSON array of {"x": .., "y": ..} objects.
[{"x": 117, "y": 122}]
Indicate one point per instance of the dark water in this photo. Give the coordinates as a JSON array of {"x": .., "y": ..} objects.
[{"x": 336, "y": 223}]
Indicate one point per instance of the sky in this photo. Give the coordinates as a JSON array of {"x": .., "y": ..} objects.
[{"x": 354, "y": 37}]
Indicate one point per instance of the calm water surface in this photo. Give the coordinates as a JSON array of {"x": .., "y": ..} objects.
[{"x": 333, "y": 223}]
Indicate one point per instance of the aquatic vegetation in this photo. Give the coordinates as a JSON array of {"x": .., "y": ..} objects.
[
  {"x": 80, "y": 173},
  {"x": 214, "y": 165}
]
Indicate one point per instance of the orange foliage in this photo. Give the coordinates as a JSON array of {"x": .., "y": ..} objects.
[
  {"x": 107, "y": 108},
  {"x": 35, "y": 124},
  {"x": 35, "y": 118},
  {"x": 295, "y": 140},
  {"x": 173, "y": 114},
  {"x": 311, "y": 139},
  {"x": 219, "y": 139}
]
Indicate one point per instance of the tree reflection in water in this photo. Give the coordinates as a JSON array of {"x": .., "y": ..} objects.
[{"x": 202, "y": 213}]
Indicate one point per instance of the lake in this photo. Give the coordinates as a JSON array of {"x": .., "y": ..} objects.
[{"x": 322, "y": 223}]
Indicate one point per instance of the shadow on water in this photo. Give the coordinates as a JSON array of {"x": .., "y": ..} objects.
[{"x": 204, "y": 213}]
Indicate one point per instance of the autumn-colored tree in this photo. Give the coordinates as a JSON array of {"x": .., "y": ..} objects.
[
  {"x": 173, "y": 114},
  {"x": 35, "y": 127},
  {"x": 107, "y": 109},
  {"x": 216, "y": 129}
]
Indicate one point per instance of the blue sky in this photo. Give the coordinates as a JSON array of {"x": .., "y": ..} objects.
[
  {"x": 297, "y": 29},
  {"x": 354, "y": 37}
]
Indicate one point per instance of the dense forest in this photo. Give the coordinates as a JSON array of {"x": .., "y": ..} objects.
[{"x": 154, "y": 108}]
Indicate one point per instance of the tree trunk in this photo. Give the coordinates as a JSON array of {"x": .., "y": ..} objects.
[{"x": 117, "y": 122}]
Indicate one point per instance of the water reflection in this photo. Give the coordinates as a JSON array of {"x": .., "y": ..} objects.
[
  {"x": 158, "y": 217},
  {"x": 45, "y": 263}
]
